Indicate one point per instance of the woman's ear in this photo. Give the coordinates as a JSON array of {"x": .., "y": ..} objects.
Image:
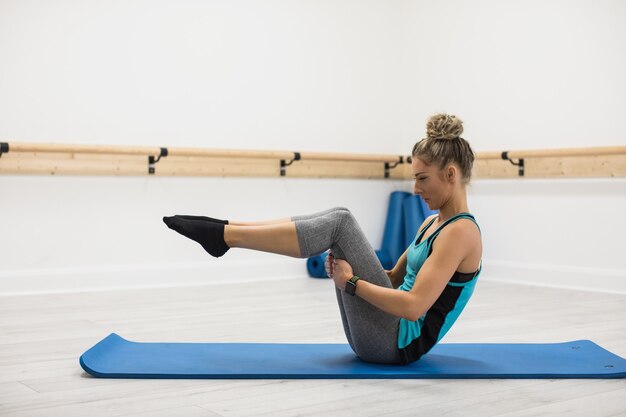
[{"x": 451, "y": 173}]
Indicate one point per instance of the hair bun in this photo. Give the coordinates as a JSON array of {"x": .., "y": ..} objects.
[{"x": 444, "y": 126}]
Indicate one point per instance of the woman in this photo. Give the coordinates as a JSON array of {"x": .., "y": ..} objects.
[{"x": 396, "y": 316}]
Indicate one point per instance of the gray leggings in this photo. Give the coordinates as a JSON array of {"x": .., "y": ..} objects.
[{"x": 371, "y": 332}]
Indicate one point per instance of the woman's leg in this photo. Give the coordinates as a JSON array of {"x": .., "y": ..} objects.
[
  {"x": 372, "y": 333},
  {"x": 273, "y": 236},
  {"x": 279, "y": 238},
  {"x": 260, "y": 223},
  {"x": 342, "y": 310},
  {"x": 217, "y": 237},
  {"x": 286, "y": 219}
]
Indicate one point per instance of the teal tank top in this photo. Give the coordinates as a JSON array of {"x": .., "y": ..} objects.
[{"x": 415, "y": 338}]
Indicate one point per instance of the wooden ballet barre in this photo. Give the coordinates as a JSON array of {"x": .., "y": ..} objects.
[
  {"x": 24, "y": 157},
  {"x": 142, "y": 150},
  {"x": 81, "y": 149},
  {"x": 521, "y": 155},
  {"x": 201, "y": 152},
  {"x": 154, "y": 154},
  {"x": 555, "y": 153}
]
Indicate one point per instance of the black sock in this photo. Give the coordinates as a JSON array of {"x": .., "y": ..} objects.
[
  {"x": 208, "y": 234},
  {"x": 203, "y": 218}
]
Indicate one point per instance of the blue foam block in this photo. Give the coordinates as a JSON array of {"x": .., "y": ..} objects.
[
  {"x": 115, "y": 357},
  {"x": 316, "y": 265}
]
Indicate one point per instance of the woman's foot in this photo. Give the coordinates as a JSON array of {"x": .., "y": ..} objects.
[
  {"x": 210, "y": 235},
  {"x": 203, "y": 218}
]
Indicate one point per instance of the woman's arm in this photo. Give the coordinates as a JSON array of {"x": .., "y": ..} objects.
[
  {"x": 449, "y": 251},
  {"x": 398, "y": 303}
]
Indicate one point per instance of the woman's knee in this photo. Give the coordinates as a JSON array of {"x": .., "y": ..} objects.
[
  {"x": 343, "y": 219},
  {"x": 340, "y": 208},
  {"x": 346, "y": 219}
]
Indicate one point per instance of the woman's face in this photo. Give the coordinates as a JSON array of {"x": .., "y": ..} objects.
[{"x": 429, "y": 184}]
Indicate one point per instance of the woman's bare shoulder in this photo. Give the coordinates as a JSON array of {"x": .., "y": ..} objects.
[
  {"x": 426, "y": 221},
  {"x": 465, "y": 226}
]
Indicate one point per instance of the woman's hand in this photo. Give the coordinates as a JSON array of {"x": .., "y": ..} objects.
[
  {"x": 339, "y": 270},
  {"x": 329, "y": 265}
]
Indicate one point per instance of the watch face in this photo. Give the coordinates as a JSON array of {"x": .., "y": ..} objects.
[{"x": 350, "y": 287}]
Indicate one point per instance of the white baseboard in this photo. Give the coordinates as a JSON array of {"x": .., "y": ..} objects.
[
  {"x": 556, "y": 276},
  {"x": 120, "y": 277}
]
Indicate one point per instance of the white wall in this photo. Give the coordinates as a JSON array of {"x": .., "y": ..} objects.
[
  {"x": 77, "y": 233},
  {"x": 354, "y": 76},
  {"x": 531, "y": 75},
  {"x": 322, "y": 76},
  {"x": 246, "y": 74},
  {"x": 523, "y": 74}
]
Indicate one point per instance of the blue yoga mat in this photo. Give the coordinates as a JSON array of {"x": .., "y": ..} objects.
[
  {"x": 115, "y": 357},
  {"x": 393, "y": 237},
  {"x": 413, "y": 218}
]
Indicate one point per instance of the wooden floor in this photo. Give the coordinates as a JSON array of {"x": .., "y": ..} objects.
[{"x": 42, "y": 337}]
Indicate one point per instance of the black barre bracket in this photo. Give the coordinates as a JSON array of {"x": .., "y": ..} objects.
[
  {"x": 520, "y": 162},
  {"x": 4, "y": 148},
  {"x": 152, "y": 161},
  {"x": 388, "y": 166},
  {"x": 283, "y": 164}
]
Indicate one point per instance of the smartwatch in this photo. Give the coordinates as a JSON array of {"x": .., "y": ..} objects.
[{"x": 351, "y": 285}]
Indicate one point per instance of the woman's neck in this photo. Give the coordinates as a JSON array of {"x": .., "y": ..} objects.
[{"x": 457, "y": 204}]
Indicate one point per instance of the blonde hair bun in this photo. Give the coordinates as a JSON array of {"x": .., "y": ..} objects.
[{"x": 444, "y": 126}]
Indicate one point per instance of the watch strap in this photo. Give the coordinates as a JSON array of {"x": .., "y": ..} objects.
[{"x": 351, "y": 285}]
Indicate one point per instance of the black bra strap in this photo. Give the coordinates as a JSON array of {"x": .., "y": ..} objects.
[
  {"x": 447, "y": 222},
  {"x": 419, "y": 238}
]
